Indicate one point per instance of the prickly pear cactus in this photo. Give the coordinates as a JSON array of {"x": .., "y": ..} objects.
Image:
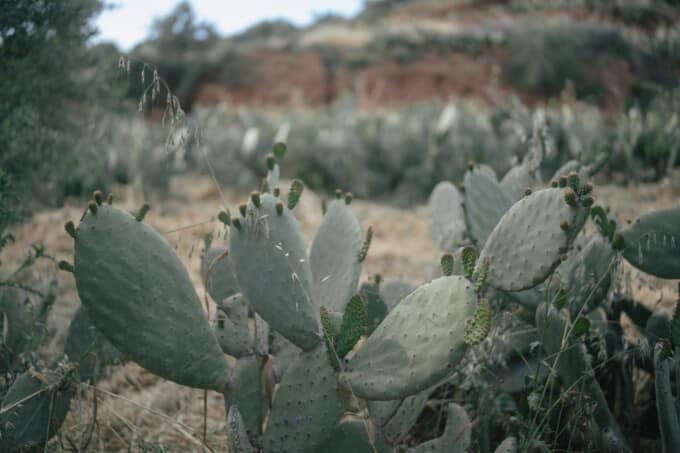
[
  {"x": 395, "y": 418},
  {"x": 232, "y": 327},
  {"x": 446, "y": 217},
  {"x": 34, "y": 408},
  {"x": 139, "y": 295},
  {"x": 307, "y": 405},
  {"x": 334, "y": 257},
  {"x": 273, "y": 272},
  {"x": 356, "y": 436},
  {"x": 531, "y": 239},
  {"x": 485, "y": 204},
  {"x": 247, "y": 391},
  {"x": 652, "y": 243},
  {"x": 416, "y": 344}
]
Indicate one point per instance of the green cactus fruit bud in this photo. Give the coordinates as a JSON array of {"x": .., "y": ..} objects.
[
  {"x": 563, "y": 257},
  {"x": 353, "y": 326},
  {"x": 447, "y": 264},
  {"x": 469, "y": 257},
  {"x": 295, "y": 192},
  {"x": 573, "y": 180},
  {"x": 109, "y": 199},
  {"x": 92, "y": 206},
  {"x": 570, "y": 197},
  {"x": 483, "y": 272},
  {"x": 586, "y": 188},
  {"x": 255, "y": 198},
  {"x": 270, "y": 162},
  {"x": 471, "y": 166},
  {"x": 142, "y": 212},
  {"x": 348, "y": 197},
  {"x": 279, "y": 150},
  {"x": 618, "y": 243},
  {"x": 587, "y": 202},
  {"x": 279, "y": 208},
  {"x": 477, "y": 328},
  {"x": 527, "y": 191},
  {"x": 242, "y": 209},
  {"x": 277, "y": 192},
  {"x": 338, "y": 193},
  {"x": 98, "y": 196},
  {"x": 366, "y": 245},
  {"x": 554, "y": 183},
  {"x": 65, "y": 266},
  {"x": 70, "y": 228},
  {"x": 378, "y": 279},
  {"x": 237, "y": 224},
  {"x": 562, "y": 181},
  {"x": 225, "y": 217},
  {"x": 329, "y": 337},
  {"x": 581, "y": 327},
  {"x": 564, "y": 225}
]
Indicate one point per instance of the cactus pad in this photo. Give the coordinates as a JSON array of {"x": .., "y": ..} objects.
[
  {"x": 456, "y": 437},
  {"x": 485, "y": 204},
  {"x": 446, "y": 218}
]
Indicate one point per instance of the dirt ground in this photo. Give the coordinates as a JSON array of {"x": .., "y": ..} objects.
[{"x": 135, "y": 409}]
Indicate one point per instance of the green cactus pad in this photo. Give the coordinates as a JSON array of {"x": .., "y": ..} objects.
[
  {"x": 232, "y": 329},
  {"x": 395, "y": 418},
  {"x": 87, "y": 347},
  {"x": 246, "y": 390},
  {"x": 139, "y": 295},
  {"x": 525, "y": 246},
  {"x": 446, "y": 218},
  {"x": 456, "y": 437},
  {"x": 652, "y": 243},
  {"x": 237, "y": 436},
  {"x": 273, "y": 272},
  {"x": 376, "y": 308},
  {"x": 394, "y": 291},
  {"x": 351, "y": 435},
  {"x": 517, "y": 180},
  {"x": 353, "y": 326},
  {"x": 485, "y": 204},
  {"x": 217, "y": 271},
  {"x": 416, "y": 345},
  {"x": 307, "y": 406},
  {"x": 33, "y": 404},
  {"x": 284, "y": 353},
  {"x": 334, "y": 257},
  {"x": 477, "y": 327},
  {"x": 585, "y": 277}
]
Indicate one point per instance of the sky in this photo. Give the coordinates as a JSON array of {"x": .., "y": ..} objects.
[{"x": 129, "y": 22}]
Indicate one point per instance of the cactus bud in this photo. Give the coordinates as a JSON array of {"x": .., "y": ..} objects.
[
  {"x": 586, "y": 188},
  {"x": 348, "y": 198},
  {"x": 587, "y": 202},
  {"x": 469, "y": 256},
  {"x": 563, "y": 257},
  {"x": 255, "y": 198},
  {"x": 98, "y": 197},
  {"x": 277, "y": 192},
  {"x": 338, "y": 193},
  {"x": 581, "y": 326},
  {"x": 377, "y": 279},
  {"x": 65, "y": 266},
  {"x": 329, "y": 337},
  {"x": 564, "y": 225},
  {"x": 142, "y": 212},
  {"x": 242, "y": 210},
  {"x": 70, "y": 229},
  {"x": 366, "y": 245},
  {"x": 618, "y": 242},
  {"x": 237, "y": 224},
  {"x": 92, "y": 206},
  {"x": 279, "y": 150},
  {"x": 471, "y": 166},
  {"x": 295, "y": 192},
  {"x": 554, "y": 183},
  {"x": 562, "y": 181},
  {"x": 573, "y": 180},
  {"x": 447, "y": 264},
  {"x": 570, "y": 197},
  {"x": 225, "y": 217},
  {"x": 527, "y": 192},
  {"x": 270, "y": 162},
  {"x": 109, "y": 199},
  {"x": 279, "y": 208}
]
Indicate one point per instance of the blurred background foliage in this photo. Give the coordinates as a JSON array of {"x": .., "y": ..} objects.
[{"x": 68, "y": 122}]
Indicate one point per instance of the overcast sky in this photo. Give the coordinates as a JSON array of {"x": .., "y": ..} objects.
[{"x": 128, "y": 23}]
